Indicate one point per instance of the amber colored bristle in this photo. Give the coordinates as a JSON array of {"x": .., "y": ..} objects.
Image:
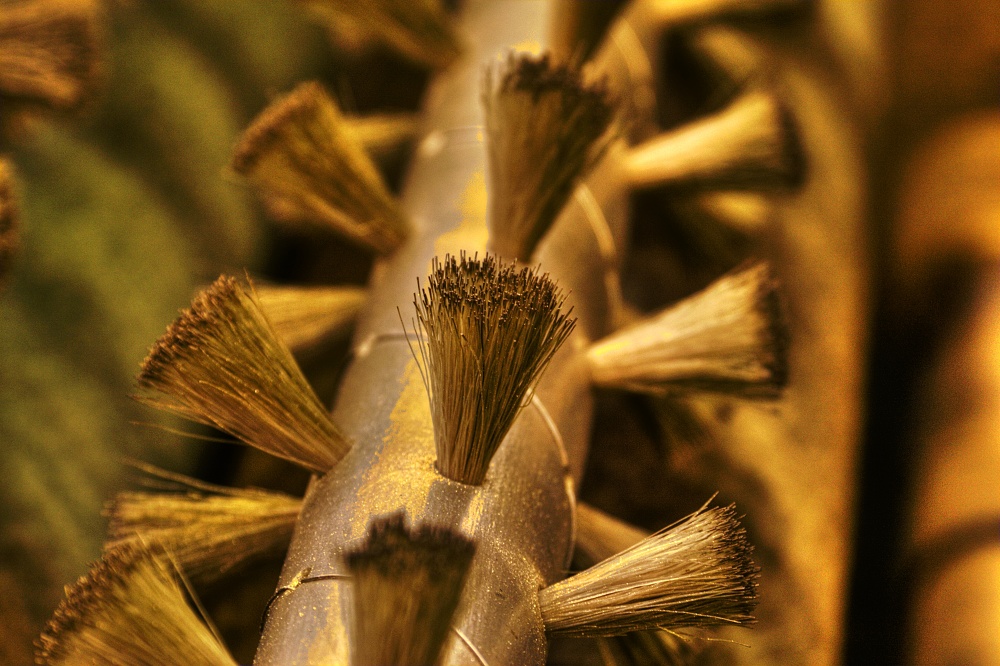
[{"x": 10, "y": 218}]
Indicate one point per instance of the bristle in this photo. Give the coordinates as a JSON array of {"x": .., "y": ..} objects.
[
  {"x": 674, "y": 12},
  {"x": 420, "y": 30},
  {"x": 745, "y": 212},
  {"x": 487, "y": 331},
  {"x": 384, "y": 134},
  {"x": 50, "y": 51},
  {"x": 695, "y": 574},
  {"x": 728, "y": 338},
  {"x": 130, "y": 609},
  {"x": 545, "y": 130},
  {"x": 210, "y": 530},
  {"x": 303, "y": 317},
  {"x": 751, "y": 143},
  {"x": 407, "y": 585},
  {"x": 221, "y": 364},
  {"x": 10, "y": 219},
  {"x": 310, "y": 168}
]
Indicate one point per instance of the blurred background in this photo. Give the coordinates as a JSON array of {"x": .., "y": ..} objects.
[{"x": 886, "y": 452}]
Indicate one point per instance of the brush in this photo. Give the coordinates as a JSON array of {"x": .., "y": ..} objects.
[
  {"x": 420, "y": 30},
  {"x": 310, "y": 169},
  {"x": 545, "y": 129},
  {"x": 10, "y": 219},
  {"x": 50, "y": 51},
  {"x": 728, "y": 338},
  {"x": 303, "y": 317},
  {"x": 752, "y": 143},
  {"x": 697, "y": 573},
  {"x": 384, "y": 134},
  {"x": 221, "y": 364},
  {"x": 131, "y": 608},
  {"x": 407, "y": 584},
  {"x": 486, "y": 331},
  {"x": 209, "y": 530}
]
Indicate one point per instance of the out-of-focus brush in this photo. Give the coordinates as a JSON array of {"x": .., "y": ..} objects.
[
  {"x": 303, "y": 317},
  {"x": 9, "y": 219},
  {"x": 407, "y": 584}
]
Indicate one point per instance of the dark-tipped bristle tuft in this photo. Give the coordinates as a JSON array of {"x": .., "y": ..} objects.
[
  {"x": 10, "y": 219},
  {"x": 729, "y": 338},
  {"x": 210, "y": 530},
  {"x": 546, "y": 129},
  {"x": 486, "y": 331},
  {"x": 221, "y": 364},
  {"x": 698, "y": 573},
  {"x": 51, "y": 52},
  {"x": 407, "y": 585},
  {"x": 130, "y": 609},
  {"x": 309, "y": 168}
]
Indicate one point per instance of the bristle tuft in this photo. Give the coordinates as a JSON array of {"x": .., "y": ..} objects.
[
  {"x": 487, "y": 330},
  {"x": 310, "y": 168},
  {"x": 50, "y": 51},
  {"x": 222, "y": 365},
  {"x": 384, "y": 134},
  {"x": 546, "y": 129},
  {"x": 420, "y": 30},
  {"x": 10, "y": 219},
  {"x": 728, "y": 338},
  {"x": 753, "y": 143},
  {"x": 407, "y": 585},
  {"x": 130, "y": 609},
  {"x": 697, "y": 573},
  {"x": 210, "y": 530},
  {"x": 304, "y": 317}
]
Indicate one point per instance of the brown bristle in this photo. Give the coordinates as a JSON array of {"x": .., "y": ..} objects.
[
  {"x": 545, "y": 130},
  {"x": 50, "y": 51},
  {"x": 130, "y": 609},
  {"x": 309, "y": 168},
  {"x": 486, "y": 331},
  {"x": 752, "y": 143},
  {"x": 220, "y": 363},
  {"x": 420, "y": 30},
  {"x": 10, "y": 219},
  {"x": 728, "y": 338},
  {"x": 303, "y": 317},
  {"x": 407, "y": 585},
  {"x": 675, "y": 12},
  {"x": 210, "y": 530},
  {"x": 697, "y": 573},
  {"x": 384, "y": 134}
]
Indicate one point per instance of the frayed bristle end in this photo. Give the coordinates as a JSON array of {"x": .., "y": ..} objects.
[
  {"x": 407, "y": 585},
  {"x": 546, "y": 129},
  {"x": 221, "y": 364},
  {"x": 51, "y": 52},
  {"x": 131, "y": 608},
  {"x": 310, "y": 168},
  {"x": 210, "y": 530},
  {"x": 486, "y": 332},
  {"x": 698, "y": 573},
  {"x": 729, "y": 338}
]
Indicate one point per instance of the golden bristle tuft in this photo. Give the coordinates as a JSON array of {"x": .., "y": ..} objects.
[
  {"x": 10, "y": 219},
  {"x": 407, "y": 585},
  {"x": 304, "y": 317},
  {"x": 221, "y": 364},
  {"x": 384, "y": 134},
  {"x": 420, "y": 30},
  {"x": 697, "y": 573},
  {"x": 675, "y": 12},
  {"x": 487, "y": 330},
  {"x": 728, "y": 338},
  {"x": 50, "y": 51},
  {"x": 210, "y": 530},
  {"x": 309, "y": 168},
  {"x": 752, "y": 143},
  {"x": 130, "y": 609},
  {"x": 546, "y": 129}
]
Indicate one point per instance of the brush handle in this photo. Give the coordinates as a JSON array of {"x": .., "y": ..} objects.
[{"x": 522, "y": 517}]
